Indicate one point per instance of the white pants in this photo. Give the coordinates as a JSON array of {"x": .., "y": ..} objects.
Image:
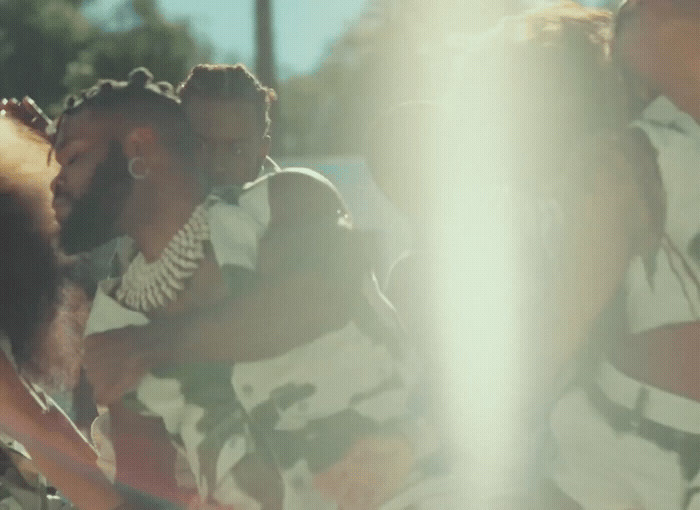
[{"x": 603, "y": 469}]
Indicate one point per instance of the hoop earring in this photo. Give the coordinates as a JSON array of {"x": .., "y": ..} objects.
[{"x": 136, "y": 175}]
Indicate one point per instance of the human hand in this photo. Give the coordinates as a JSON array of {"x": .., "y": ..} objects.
[
  {"x": 27, "y": 112},
  {"x": 114, "y": 362},
  {"x": 372, "y": 471}
]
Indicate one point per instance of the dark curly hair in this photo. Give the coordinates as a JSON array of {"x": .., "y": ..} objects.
[
  {"x": 224, "y": 81},
  {"x": 29, "y": 270},
  {"x": 29, "y": 274}
]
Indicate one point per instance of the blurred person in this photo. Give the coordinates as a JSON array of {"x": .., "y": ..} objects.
[
  {"x": 41, "y": 323},
  {"x": 541, "y": 122},
  {"x": 629, "y": 437},
  {"x": 295, "y": 382},
  {"x": 566, "y": 111},
  {"x": 228, "y": 109}
]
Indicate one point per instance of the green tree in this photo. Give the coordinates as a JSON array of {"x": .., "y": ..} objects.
[
  {"x": 38, "y": 38},
  {"x": 168, "y": 49},
  {"x": 49, "y": 49}
]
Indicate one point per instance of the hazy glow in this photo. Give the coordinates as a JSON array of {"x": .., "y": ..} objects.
[{"x": 476, "y": 276}]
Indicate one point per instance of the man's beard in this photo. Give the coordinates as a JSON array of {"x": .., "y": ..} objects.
[{"x": 93, "y": 217}]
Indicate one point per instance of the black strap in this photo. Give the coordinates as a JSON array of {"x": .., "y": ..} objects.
[{"x": 632, "y": 421}]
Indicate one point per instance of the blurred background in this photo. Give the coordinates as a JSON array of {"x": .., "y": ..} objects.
[{"x": 334, "y": 63}]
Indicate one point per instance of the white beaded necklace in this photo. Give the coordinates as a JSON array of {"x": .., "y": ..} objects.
[{"x": 149, "y": 285}]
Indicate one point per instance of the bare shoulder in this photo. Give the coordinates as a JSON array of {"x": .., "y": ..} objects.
[
  {"x": 300, "y": 193},
  {"x": 642, "y": 160},
  {"x": 617, "y": 174},
  {"x": 637, "y": 174},
  {"x": 619, "y": 157}
]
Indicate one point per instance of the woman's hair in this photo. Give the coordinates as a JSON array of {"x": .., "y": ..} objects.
[
  {"x": 544, "y": 81},
  {"x": 44, "y": 339},
  {"x": 24, "y": 171},
  {"x": 28, "y": 268}
]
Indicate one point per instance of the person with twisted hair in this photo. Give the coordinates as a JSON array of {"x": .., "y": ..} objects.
[
  {"x": 228, "y": 109},
  {"x": 199, "y": 290}
]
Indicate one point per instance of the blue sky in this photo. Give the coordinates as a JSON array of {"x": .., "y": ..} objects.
[{"x": 303, "y": 28}]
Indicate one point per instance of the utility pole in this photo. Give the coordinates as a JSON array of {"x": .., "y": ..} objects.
[{"x": 265, "y": 61}]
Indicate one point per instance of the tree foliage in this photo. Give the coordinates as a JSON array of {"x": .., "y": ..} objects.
[
  {"x": 397, "y": 51},
  {"x": 49, "y": 49},
  {"x": 38, "y": 39},
  {"x": 388, "y": 56}
]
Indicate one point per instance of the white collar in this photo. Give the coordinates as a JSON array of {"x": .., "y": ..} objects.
[{"x": 663, "y": 111}]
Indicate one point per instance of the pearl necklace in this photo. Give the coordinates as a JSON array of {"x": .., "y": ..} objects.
[{"x": 149, "y": 285}]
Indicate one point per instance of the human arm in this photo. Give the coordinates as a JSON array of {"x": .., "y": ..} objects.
[
  {"x": 58, "y": 450},
  {"x": 293, "y": 299}
]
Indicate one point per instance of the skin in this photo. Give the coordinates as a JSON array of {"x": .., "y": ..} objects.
[
  {"x": 150, "y": 215},
  {"x": 233, "y": 144},
  {"x": 57, "y": 448},
  {"x": 78, "y": 151},
  {"x": 659, "y": 43}
]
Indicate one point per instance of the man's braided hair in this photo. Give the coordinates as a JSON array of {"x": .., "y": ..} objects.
[
  {"x": 139, "y": 100},
  {"x": 229, "y": 82}
]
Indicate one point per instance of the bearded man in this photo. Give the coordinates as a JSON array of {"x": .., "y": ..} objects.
[{"x": 203, "y": 266}]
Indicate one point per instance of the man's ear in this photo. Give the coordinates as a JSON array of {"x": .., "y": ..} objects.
[{"x": 139, "y": 142}]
